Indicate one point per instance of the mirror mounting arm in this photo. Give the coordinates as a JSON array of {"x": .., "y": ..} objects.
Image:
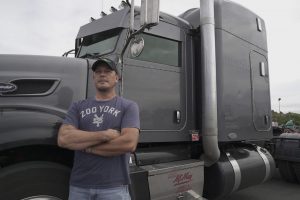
[{"x": 132, "y": 35}]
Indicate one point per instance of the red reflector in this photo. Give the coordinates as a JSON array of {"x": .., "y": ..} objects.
[{"x": 195, "y": 137}]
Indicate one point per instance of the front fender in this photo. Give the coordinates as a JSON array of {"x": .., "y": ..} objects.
[{"x": 29, "y": 126}]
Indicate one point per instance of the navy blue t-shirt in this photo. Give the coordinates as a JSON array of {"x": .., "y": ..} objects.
[{"x": 94, "y": 171}]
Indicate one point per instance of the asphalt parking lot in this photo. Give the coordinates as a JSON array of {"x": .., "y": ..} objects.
[{"x": 274, "y": 189}]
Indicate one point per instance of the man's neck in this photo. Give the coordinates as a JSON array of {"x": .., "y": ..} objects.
[{"x": 105, "y": 96}]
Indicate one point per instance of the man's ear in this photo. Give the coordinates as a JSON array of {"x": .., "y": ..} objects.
[{"x": 118, "y": 78}]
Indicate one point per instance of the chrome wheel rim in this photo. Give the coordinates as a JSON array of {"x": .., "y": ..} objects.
[{"x": 41, "y": 197}]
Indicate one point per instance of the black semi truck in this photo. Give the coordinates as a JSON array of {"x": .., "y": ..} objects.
[{"x": 201, "y": 81}]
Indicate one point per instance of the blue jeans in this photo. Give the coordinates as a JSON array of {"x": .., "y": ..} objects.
[{"x": 116, "y": 193}]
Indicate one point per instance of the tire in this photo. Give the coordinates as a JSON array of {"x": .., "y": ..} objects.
[
  {"x": 287, "y": 171},
  {"x": 34, "y": 180},
  {"x": 296, "y": 167}
]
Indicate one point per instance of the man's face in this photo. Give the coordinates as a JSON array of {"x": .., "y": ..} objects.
[{"x": 105, "y": 78}]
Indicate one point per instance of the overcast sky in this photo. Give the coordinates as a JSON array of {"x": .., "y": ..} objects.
[{"x": 49, "y": 27}]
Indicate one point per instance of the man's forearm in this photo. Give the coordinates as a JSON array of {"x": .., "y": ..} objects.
[
  {"x": 74, "y": 139},
  {"x": 113, "y": 148},
  {"x": 97, "y": 150},
  {"x": 80, "y": 146},
  {"x": 123, "y": 144},
  {"x": 79, "y": 140}
]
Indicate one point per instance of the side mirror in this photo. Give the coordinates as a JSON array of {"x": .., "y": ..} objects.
[
  {"x": 149, "y": 12},
  {"x": 137, "y": 46}
]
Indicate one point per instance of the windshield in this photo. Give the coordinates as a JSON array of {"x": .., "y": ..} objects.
[{"x": 98, "y": 44}]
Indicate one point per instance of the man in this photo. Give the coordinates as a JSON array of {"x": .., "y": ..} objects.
[{"x": 101, "y": 130}]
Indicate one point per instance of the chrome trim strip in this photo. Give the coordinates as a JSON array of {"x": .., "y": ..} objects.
[
  {"x": 266, "y": 161},
  {"x": 237, "y": 172}
]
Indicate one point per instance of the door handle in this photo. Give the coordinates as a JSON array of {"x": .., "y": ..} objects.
[{"x": 177, "y": 116}]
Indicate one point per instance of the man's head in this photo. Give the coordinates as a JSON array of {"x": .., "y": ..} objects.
[
  {"x": 105, "y": 75},
  {"x": 105, "y": 61}
]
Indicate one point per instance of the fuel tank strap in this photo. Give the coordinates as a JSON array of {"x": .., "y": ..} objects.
[
  {"x": 266, "y": 161},
  {"x": 236, "y": 170}
]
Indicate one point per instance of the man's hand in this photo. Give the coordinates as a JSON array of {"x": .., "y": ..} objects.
[
  {"x": 111, "y": 134},
  {"x": 126, "y": 142}
]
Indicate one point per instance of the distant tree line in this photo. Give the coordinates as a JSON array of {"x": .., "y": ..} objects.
[{"x": 282, "y": 118}]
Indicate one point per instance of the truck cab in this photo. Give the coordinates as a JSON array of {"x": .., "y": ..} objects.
[{"x": 162, "y": 71}]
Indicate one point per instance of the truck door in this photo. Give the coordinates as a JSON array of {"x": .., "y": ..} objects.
[{"x": 155, "y": 80}]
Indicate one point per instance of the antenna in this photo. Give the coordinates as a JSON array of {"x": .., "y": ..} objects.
[{"x": 102, "y": 14}]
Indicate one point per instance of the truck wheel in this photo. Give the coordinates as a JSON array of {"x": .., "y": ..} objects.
[
  {"x": 297, "y": 170},
  {"x": 286, "y": 171},
  {"x": 34, "y": 180}
]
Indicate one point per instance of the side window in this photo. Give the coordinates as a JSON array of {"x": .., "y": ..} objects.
[{"x": 159, "y": 50}]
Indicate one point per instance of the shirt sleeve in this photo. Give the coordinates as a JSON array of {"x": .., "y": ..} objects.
[
  {"x": 131, "y": 117},
  {"x": 72, "y": 117}
]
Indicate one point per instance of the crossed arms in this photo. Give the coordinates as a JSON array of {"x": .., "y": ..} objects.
[{"x": 105, "y": 143}]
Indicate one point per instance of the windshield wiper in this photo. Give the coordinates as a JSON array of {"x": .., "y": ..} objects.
[{"x": 90, "y": 55}]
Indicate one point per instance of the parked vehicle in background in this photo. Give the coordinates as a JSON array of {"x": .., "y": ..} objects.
[{"x": 287, "y": 152}]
